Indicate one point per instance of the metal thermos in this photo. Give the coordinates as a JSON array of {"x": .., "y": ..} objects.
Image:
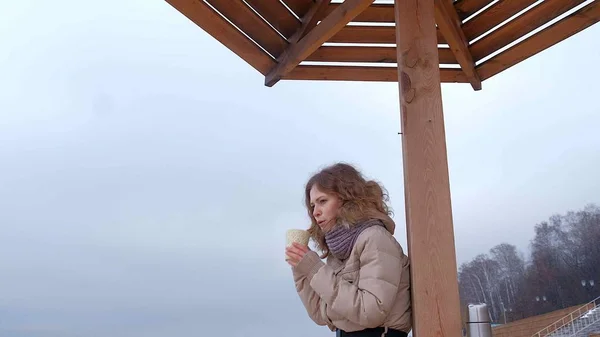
[{"x": 479, "y": 321}]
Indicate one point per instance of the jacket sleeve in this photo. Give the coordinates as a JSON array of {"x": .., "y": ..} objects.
[
  {"x": 368, "y": 301},
  {"x": 311, "y": 300}
]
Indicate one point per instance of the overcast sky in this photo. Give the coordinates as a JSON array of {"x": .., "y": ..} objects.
[{"x": 147, "y": 176}]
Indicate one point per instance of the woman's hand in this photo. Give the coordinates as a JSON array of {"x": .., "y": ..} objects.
[{"x": 295, "y": 253}]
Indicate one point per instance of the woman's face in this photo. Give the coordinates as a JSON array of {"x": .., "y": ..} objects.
[{"x": 325, "y": 208}]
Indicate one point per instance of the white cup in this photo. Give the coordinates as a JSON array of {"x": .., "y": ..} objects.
[{"x": 296, "y": 235}]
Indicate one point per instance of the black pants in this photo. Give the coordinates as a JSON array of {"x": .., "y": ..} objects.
[{"x": 373, "y": 332}]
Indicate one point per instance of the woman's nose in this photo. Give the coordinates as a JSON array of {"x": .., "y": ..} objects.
[{"x": 316, "y": 212}]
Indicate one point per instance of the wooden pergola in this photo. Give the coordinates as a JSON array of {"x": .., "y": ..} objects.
[{"x": 419, "y": 44}]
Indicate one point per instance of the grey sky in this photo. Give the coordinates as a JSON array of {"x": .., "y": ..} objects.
[{"x": 147, "y": 176}]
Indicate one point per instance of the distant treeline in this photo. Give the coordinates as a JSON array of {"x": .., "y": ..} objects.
[{"x": 563, "y": 269}]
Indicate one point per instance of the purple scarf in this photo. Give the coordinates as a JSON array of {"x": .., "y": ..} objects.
[{"x": 340, "y": 240}]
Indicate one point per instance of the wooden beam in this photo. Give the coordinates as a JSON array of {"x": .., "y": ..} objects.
[
  {"x": 385, "y": 12},
  {"x": 299, "y": 7},
  {"x": 434, "y": 281},
  {"x": 250, "y": 23},
  {"x": 310, "y": 19},
  {"x": 277, "y": 15},
  {"x": 466, "y": 8},
  {"x": 214, "y": 24},
  {"x": 449, "y": 24},
  {"x": 368, "y": 54},
  {"x": 370, "y": 74},
  {"x": 332, "y": 24},
  {"x": 375, "y": 13},
  {"x": 493, "y": 16},
  {"x": 563, "y": 29},
  {"x": 521, "y": 26},
  {"x": 371, "y": 34}
]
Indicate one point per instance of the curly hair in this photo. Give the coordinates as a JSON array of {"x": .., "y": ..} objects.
[{"x": 361, "y": 200}]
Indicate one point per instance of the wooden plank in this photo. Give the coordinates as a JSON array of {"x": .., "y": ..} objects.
[
  {"x": 370, "y": 74},
  {"x": 385, "y": 12},
  {"x": 375, "y": 13},
  {"x": 368, "y": 54},
  {"x": 310, "y": 19},
  {"x": 332, "y": 24},
  {"x": 365, "y": 34},
  {"x": 277, "y": 15},
  {"x": 446, "y": 56},
  {"x": 250, "y": 23},
  {"x": 215, "y": 25},
  {"x": 431, "y": 249},
  {"x": 449, "y": 24},
  {"x": 300, "y": 7},
  {"x": 521, "y": 26},
  {"x": 563, "y": 29},
  {"x": 466, "y": 8},
  {"x": 493, "y": 16},
  {"x": 371, "y": 34}
]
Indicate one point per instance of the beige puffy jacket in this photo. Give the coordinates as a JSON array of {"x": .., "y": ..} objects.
[{"x": 369, "y": 289}]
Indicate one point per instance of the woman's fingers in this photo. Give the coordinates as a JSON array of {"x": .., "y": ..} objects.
[
  {"x": 301, "y": 247},
  {"x": 294, "y": 255},
  {"x": 301, "y": 250}
]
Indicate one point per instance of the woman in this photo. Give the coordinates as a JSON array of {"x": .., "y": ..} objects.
[{"x": 364, "y": 288}]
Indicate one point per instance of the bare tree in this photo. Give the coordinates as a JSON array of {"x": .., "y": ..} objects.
[
  {"x": 563, "y": 269},
  {"x": 512, "y": 274}
]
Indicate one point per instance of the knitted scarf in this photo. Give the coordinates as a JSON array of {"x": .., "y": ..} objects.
[{"x": 340, "y": 240}]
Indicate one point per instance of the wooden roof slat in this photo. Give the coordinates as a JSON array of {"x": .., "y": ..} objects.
[
  {"x": 300, "y": 7},
  {"x": 521, "y": 26},
  {"x": 368, "y": 54},
  {"x": 250, "y": 23},
  {"x": 375, "y": 13},
  {"x": 277, "y": 15},
  {"x": 449, "y": 24},
  {"x": 563, "y": 29},
  {"x": 371, "y": 34},
  {"x": 466, "y": 8},
  {"x": 310, "y": 19},
  {"x": 385, "y": 12},
  {"x": 446, "y": 56},
  {"x": 215, "y": 25},
  {"x": 259, "y": 42},
  {"x": 493, "y": 16},
  {"x": 329, "y": 26},
  {"x": 350, "y": 73}
]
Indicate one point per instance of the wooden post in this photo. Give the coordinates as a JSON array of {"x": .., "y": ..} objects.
[{"x": 435, "y": 299}]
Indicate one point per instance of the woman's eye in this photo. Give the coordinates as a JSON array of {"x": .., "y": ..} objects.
[{"x": 322, "y": 201}]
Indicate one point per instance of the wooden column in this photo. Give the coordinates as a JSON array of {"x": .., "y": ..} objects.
[{"x": 435, "y": 299}]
